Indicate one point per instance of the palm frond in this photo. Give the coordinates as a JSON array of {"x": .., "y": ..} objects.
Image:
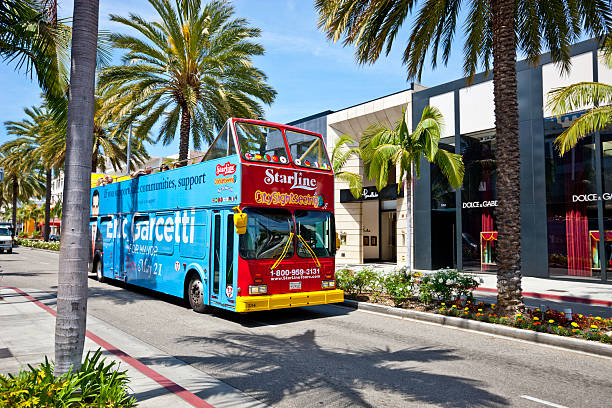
[
  {"x": 452, "y": 167},
  {"x": 354, "y": 181},
  {"x": 578, "y": 96},
  {"x": 595, "y": 119}
]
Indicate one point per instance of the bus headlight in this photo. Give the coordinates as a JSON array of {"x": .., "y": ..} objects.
[
  {"x": 326, "y": 284},
  {"x": 257, "y": 289}
]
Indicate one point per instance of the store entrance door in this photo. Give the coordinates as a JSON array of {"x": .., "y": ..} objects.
[
  {"x": 443, "y": 242},
  {"x": 388, "y": 241}
]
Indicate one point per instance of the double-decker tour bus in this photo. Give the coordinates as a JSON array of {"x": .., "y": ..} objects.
[{"x": 182, "y": 231}]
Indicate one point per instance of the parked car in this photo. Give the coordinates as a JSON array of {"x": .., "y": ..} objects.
[
  {"x": 6, "y": 240},
  {"x": 53, "y": 237}
]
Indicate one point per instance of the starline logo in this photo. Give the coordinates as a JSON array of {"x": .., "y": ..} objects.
[
  {"x": 226, "y": 169},
  {"x": 296, "y": 180}
]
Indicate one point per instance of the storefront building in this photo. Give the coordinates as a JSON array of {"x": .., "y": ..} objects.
[{"x": 566, "y": 202}]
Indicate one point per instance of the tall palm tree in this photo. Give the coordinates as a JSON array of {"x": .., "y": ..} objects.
[
  {"x": 72, "y": 276},
  {"x": 23, "y": 179},
  {"x": 575, "y": 97},
  {"x": 382, "y": 146},
  {"x": 193, "y": 67},
  {"x": 33, "y": 131},
  {"x": 494, "y": 31},
  {"x": 340, "y": 155}
]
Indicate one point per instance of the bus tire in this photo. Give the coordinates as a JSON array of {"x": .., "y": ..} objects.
[
  {"x": 98, "y": 269},
  {"x": 10, "y": 250},
  {"x": 195, "y": 294}
]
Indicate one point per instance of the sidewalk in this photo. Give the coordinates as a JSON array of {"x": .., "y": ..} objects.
[
  {"x": 556, "y": 289},
  {"x": 27, "y": 330}
]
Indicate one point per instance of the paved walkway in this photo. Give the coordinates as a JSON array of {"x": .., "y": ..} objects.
[{"x": 27, "y": 329}]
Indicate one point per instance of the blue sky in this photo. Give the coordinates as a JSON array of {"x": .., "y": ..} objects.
[{"x": 309, "y": 73}]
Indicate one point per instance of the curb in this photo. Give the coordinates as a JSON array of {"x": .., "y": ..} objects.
[{"x": 569, "y": 343}]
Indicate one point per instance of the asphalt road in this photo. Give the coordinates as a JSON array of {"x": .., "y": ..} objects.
[{"x": 331, "y": 356}]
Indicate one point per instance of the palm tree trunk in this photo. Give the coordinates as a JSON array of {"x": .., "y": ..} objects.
[
  {"x": 15, "y": 192},
  {"x": 47, "y": 206},
  {"x": 185, "y": 130},
  {"x": 74, "y": 249},
  {"x": 509, "y": 298}
]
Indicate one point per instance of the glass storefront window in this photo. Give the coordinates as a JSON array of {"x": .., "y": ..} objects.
[
  {"x": 478, "y": 198},
  {"x": 606, "y": 148},
  {"x": 443, "y": 219},
  {"x": 571, "y": 205}
]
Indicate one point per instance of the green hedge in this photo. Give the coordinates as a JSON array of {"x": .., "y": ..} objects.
[{"x": 37, "y": 243}]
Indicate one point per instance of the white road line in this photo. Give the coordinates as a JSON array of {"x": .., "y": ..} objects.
[
  {"x": 550, "y": 404},
  {"x": 265, "y": 324},
  {"x": 44, "y": 263}
]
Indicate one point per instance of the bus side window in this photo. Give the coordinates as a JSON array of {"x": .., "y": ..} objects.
[
  {"x": 196, "y": 247},
  {"x": 163, "y": 233},
  {"x": 229, "y": 255},
  {"x": 216, "y": 250}
]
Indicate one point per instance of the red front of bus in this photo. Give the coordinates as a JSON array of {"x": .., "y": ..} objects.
[{"x": 286, "y": 256}]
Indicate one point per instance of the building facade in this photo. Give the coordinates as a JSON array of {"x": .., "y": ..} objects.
[{"x": 566, "y": 202}]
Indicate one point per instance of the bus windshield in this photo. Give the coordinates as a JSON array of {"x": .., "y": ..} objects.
[
  {"x": 307, "y": 150},
  {"x": 261, "y": 143},
  {"x": 5, "y": 232},
  {"x": 317, "y": 229},
  {"x": 267, "y": 234}
]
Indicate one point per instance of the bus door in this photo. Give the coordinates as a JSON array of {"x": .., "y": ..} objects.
[
  {"x": 108, "y": 246},
  {"x": 119, "y": 247},
  {"x": 223, "y": 264}
]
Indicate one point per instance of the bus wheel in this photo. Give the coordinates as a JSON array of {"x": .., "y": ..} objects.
[
  {"x": 196, "y": 294},
  {"x": 99, "y": 271}
]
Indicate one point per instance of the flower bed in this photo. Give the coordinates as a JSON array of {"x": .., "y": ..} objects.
[
  {"x": 36, "y": 243},
  {"x": 450, "y": 293}
]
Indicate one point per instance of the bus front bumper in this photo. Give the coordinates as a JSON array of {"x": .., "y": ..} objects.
[{"x": 286, "y": 300}]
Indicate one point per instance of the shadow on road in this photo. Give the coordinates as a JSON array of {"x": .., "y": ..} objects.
[{"x": 270, "y": 368}]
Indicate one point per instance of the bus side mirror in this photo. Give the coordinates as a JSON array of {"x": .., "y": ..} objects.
[
  {"x": 338, "y": 242},
  {"x": 240, "y": 221}
]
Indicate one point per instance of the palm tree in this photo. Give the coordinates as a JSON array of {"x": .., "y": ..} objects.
[
  {"x": 494, "y": 30},
  {"x": 382, "y": 146},
  {"x": 340, "y": 155},
  {"x": 72, "y": 276},
  {"x": 33, "y": 132},
  {"x": 578, "y": 96},
  {"x": 193, "y": 67},
  {"x": 23, "y": 179}
]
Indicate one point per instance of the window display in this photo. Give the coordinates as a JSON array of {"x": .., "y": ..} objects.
[
  {"x": 478, "y": 197},
  {"x": 571, "y": 207}
]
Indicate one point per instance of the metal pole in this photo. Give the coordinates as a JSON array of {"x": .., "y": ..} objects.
[{"x": 129, "y": 151}]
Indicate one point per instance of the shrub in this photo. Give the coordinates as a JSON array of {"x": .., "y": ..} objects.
[
  {"x": 447, "y": 284},
  {"x": 364, "y": 279},
  {"x": 345, "y": 280},
  {"x": 36, "y": 234},
  {"x": 97, "y": 383},
  {"x": 399, "y": 286}
]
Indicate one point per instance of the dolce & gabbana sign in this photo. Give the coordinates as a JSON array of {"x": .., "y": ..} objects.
[
  {"x": 578, "y": 198},
  {"x": 480, "y": 204}
]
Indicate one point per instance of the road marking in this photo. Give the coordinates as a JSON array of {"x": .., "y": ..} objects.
[
  {"x": 44, "y": 263},
  {"x": 550, "y": 404},
  {"x": 476, "y": 331},
  {"x": 265, "y": 324}
]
